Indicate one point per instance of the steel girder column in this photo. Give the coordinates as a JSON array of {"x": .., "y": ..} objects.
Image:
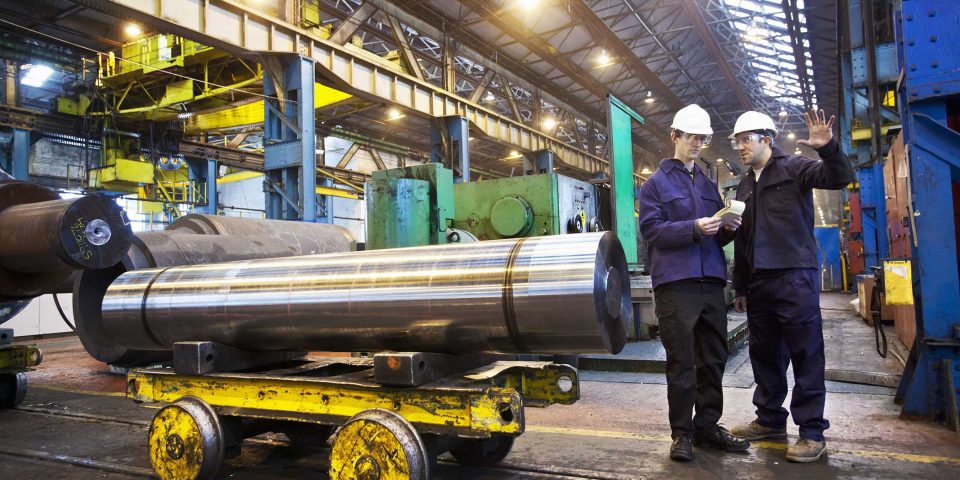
[
  {"x": 20, "y": 155},
  {"x": 450, "y": 145},
  {"x": 205, "y": 172},
  {"x": 289, "y": 139},
  {"x": 929, "y": 91},
  {"x": 873, "y": 209}
]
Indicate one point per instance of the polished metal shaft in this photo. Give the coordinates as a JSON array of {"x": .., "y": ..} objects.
[
  {"x": 194, "y": 240},
  {"x": 556, "y": 294}
]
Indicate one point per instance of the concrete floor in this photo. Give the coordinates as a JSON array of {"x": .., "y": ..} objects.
[{"x": 76, "y": 424}]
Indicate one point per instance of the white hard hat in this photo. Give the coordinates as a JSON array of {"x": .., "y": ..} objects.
[
  {"x": 750, "y": 121},
  {"x": 692, "y": 119}
]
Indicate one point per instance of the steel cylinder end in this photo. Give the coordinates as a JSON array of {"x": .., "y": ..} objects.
[
  {"x": 612, "y": 293},
  {"x": 94, "y": 232}
]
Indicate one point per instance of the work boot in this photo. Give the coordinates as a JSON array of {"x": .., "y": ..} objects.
[
  {"x": 806, "y": 450},
  {"x": 682, "y": 448},
  {"x": 718, "y": 438},
  {"x": 755, "y": 431}
]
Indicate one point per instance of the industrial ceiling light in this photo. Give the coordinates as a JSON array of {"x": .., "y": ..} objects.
[
  {"x": 528, "y": 4},
  {"x": 719, "y": 160},
  {"x": 646, "y": 171},
  {"x": 783, "y": 112},
  {"x": 394, "y": 114},
  {"x": 549, "y": 123},
  {"x": 604, "y": 59},
  {"x": 649, "y": 98},
  {"x": 184, "y": 115},
  {"x": 132, "y": 30},
  {"x": 797, "y": 151},
  {"x": 514, "y": 154},
  {"x": 489, "y": 97},
  {"x": 791, "y": 135},
  {"x": 37, "y": 75}
]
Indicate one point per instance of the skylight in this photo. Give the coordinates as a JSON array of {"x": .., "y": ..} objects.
[{"x": 765, "y": 36}]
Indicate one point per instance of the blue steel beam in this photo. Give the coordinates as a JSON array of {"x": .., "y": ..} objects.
[
  {"x": 289, "y": 139},
  {"x": 929, "y": 85},
  {"x": 20, "y": 155},
  {"x": 450, "y": 145}
]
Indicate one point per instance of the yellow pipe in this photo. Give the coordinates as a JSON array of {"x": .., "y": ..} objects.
[{"x": 241, "y": 176}]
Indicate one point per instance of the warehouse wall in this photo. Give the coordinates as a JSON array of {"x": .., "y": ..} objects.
[{"x": 41, "y": 317}]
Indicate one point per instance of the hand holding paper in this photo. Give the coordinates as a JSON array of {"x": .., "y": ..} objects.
[{"x": 733, "y": 210}]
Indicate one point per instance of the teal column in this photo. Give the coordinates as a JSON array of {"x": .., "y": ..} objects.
[{"x": 620, "y": 136}]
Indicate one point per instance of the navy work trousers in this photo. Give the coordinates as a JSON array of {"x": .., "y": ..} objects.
[
  {"x": 783, "y": 313},
  {"x": 693, "y": 328}
]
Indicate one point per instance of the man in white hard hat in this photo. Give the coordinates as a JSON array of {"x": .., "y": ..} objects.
[
  {"x": 688, "y": 269},
  {"x": 776, "y": 279}
]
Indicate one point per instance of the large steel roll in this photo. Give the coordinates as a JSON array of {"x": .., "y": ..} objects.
[
  {"x": 556, "y": 294},
  {"x": 193, "y": 240},
  {"x": 43, "y": 238},
  {"x": 304, "y": 238}
]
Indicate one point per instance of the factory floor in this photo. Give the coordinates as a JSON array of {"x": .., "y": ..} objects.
[{"x": 76, "y": 424}]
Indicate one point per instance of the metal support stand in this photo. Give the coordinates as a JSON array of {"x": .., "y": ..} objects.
[
  {"x": 450, "y": 145},
  {"x": 289, "y": 138}
]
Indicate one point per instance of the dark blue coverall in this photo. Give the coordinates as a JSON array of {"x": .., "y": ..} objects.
[
  {"x": 689, "y": 274},
  {"x": 775, "y": 267}
]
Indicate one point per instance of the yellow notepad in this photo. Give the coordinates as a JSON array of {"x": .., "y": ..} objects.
[{"x": 733, "y": 209}]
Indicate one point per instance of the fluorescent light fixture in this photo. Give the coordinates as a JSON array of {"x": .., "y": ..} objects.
[
  {"x": 37, "y": 75},
  {"x": 184, "y": 115},
  {"x": 132, "y": 30}
]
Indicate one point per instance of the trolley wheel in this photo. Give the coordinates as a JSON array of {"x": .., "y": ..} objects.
[
  {"x": 482, "y": 451},
  {"x": 378, "y": 444},
  {"x": 13, "y": 387},
  {"x": 186, "y": 441}
]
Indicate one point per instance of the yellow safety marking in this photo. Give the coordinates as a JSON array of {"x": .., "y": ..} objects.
[
  {"x": 78, "y": 390},
  {"x": 871, "y": 454}
]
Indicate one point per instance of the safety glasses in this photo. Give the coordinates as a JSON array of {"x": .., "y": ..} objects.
[
  {"x": 693, "y": 138},
  {"x": 736, "y": 143}
]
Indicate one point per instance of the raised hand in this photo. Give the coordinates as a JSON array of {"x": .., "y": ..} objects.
[{"x": 820, "y": 130}]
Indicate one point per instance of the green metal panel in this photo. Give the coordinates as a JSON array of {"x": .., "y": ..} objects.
[
  {"x": 398, "y": 213},
  {"x": 621, "y": 172},
  {"x": 439, "y": 181},
  {"x": 504, "y": 203}
]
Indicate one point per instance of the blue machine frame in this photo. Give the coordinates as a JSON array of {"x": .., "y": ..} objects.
[{"x": 929, "y": 87}]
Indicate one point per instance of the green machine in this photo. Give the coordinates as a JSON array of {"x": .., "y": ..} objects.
[
  {"x": 526, "y": 206},
  {"x": 420, "y": 205},
  {"x": 409, "y": 206}
]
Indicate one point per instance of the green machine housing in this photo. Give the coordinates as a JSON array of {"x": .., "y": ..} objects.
[
  {"x": 420, "y": 205},
  {"x": 526, "y": 206}
]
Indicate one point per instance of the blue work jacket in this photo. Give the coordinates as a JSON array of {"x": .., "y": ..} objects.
[
  {"x": 777, "y": 228},
  {"x": 671, "y": 201}
]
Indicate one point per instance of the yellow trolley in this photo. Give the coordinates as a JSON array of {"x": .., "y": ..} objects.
[{"x": 395, "y": 412}]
